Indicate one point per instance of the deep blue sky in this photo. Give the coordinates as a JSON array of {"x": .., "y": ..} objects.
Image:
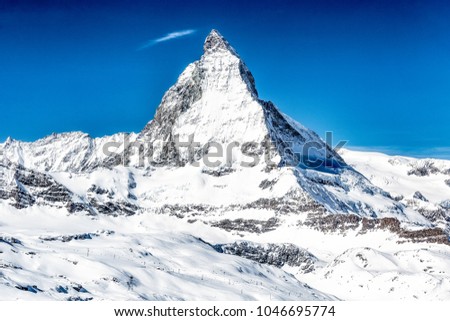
[{"x": 376, "y": 73}]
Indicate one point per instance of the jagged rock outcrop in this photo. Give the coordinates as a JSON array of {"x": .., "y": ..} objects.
[
  {"x": 273, "y": 254},
  {"x": 22, "y": 188},
  {"x": 344, "y": 223}
]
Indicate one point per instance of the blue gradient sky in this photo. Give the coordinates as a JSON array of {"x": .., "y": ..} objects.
[{"x": 375, "y": 73}]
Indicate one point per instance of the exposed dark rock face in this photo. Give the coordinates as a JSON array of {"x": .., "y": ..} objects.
[
  {"x": 439, "y": 216},
  {"x": 74, "y": 207},
  {"x": 218, "y": 171},
  {"x": 247, "y": 76},
  {"x": 29, "y": 187},
  {"x": 111, "y": 162},
  {"x": 267, "y": 183},
  {"x": 332, "y": 223},
  {"x": 4, "y": 195},
  {"x": 342, "y": 223},
  {"x": 21, "y": 197},
  {"x": 32, "y": 178},
  {"x": 445, "y": 204},
  {"x": 78, "y": 298},
  {"x": 418, "y": 195},
  {"x": 283, "y": 136},
  {"x": 181, "y": 211},
  {"x": 252, "y": 226},
  {"x": 273, "y": 254},
  {"x": 435, "y": 215},
  {"x": 431, "y": 235},
  {"x": 177, "y": 100},
  {"x": 424, "y": 169},
  {"x": 68, "y": 238},
  {"x": 114, "y": 208},
  {"x": 56, "y": 194},
  {"x": 387, "y": 223},
  {"x": 398, "y": 198},
  {"x": 9, "y": 266},
  {"x": 131, "y": 182},
  {"x": 10, "y": 240},
  {"x": 285, "y": 205},
  {"x": 29, "y": 288},
  {"x": 215, "y": 41},
  {"x": 292, "y": 203},
  {"x": 98, "y": 190}
]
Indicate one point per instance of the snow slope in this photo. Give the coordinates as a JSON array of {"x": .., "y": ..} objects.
[
  {"x": 45, "y": 254},
  {"x": 401, "y": 176},
  {"x": 419, "y": 184}
]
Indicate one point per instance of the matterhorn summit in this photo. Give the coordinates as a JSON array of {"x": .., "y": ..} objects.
[{"x": 215, "y": 100}]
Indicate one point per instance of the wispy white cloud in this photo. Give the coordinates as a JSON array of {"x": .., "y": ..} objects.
[{"x": 167, "y": 37}]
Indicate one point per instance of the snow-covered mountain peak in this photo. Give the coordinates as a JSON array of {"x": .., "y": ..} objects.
[
  {"x": 214, "y": 99},
  {"x": 219, "y": 57},
  {"x": 8, "y": 140},
  {"x": 216, "y": 42}
]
